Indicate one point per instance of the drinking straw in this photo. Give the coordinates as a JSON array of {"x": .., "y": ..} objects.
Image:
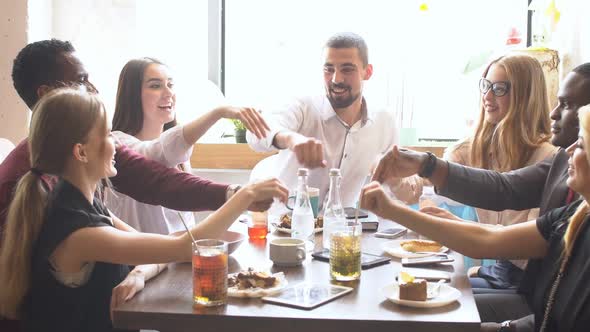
[{"x": 186, "y": 227}]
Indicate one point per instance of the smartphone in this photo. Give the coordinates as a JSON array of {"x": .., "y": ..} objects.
[
  {"x": 434, "y": 259},
  {"x": 367, "y": 260},
  {"x": 350, "y": 213},
  {"x": 391, "y": 233}
]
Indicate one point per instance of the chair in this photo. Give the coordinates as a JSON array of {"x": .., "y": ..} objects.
[
  {"x": 5, "y": 147},
  {"x": 263, "y": 169}
]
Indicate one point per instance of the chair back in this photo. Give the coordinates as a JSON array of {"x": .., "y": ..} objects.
[
  {"x": 5, "y": 147},
  {"x": 263, "y": 169}
]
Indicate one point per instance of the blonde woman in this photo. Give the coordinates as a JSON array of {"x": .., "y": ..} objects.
[
  {"x": 513, "y": 131},
  {"x": 561, "y": 238},
  {"x": 71, "y": 252}
]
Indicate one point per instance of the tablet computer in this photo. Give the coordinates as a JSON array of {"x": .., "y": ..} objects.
[
  {"x": 367, "y": 260},
  {"x": 307, "y": 295}
]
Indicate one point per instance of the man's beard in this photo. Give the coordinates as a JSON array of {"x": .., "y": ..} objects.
[{"x": 341, "y": 101}]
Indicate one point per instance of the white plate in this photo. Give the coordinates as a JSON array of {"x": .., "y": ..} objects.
[
  {"x": 233, "y": 239},
  {"x": 394, "y": 249},
  {"x": 446, "y": 295},
  {"x": 259, "y": 292},
  {"x": 289, "y": 231}
]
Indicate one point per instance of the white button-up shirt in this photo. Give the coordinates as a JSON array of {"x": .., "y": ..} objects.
[{"x": 352, "y": 149}]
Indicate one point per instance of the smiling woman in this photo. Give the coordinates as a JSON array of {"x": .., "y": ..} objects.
[
  {"x": 145, "y": 120},
  {"x": 513, "y": 131}
]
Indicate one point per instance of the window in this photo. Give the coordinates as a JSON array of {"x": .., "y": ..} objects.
[
  {"x": 107, "y": 34},
  {"x": 273, "y": 52}
]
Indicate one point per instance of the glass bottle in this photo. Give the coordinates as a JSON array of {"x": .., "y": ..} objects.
[
  {"x": 333, "y": 210},
  {"x": 428, "y": 197},
  {"x": 303, "y": 222}
]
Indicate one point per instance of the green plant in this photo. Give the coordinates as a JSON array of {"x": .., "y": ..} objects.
[{"x": 238, "y": 125}]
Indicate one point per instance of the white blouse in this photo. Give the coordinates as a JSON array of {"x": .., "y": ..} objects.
[{"x": 170, "y": 149}]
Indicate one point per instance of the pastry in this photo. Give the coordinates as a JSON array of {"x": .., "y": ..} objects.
[
  {"x": 421, "y": 246},
  {"x": 286, "y": 222},
  {"x": 251, "y": 279}
]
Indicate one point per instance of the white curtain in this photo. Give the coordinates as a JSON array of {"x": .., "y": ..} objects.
[{"x": 572, "y": 35}]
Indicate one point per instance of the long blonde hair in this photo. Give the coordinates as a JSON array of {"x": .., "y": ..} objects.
[
  {"x": 577, "y": 220},
  {"x": 525, "y": 126},
  {"x": 60, "y": 120}
]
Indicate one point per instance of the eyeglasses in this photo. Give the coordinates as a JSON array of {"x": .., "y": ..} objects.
[{"x": 499, "y": 88}]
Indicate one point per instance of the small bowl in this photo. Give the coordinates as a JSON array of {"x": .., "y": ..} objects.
[{"x": 233, "y": 239}]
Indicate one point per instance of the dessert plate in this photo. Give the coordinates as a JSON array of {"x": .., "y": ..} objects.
[
  {"x": 446, "y": 295},
  {"x": 289, "y": 231},
  {"x": 394, "y": 249}
]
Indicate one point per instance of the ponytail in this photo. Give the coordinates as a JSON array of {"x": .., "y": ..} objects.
[
  {"x": 23, "y": 224},
  {"x": 573, "y": 229}
]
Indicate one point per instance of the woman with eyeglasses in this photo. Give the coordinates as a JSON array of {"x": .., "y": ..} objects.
[
  {"x": 512, "y": 132},
  {"x": 560, "y": 240}
]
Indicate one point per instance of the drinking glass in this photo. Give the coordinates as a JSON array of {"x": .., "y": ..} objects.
[
  {"x": 258, "y": 225},
  {"x": 209, "y": 272},
  {"x": 345, "y": 251}
]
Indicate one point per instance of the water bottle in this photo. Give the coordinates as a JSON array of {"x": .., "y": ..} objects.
[
  {"x": 333, "y": 210},
  {"x": 428, "y": 198},
  {"x": 303, "y": 222}
]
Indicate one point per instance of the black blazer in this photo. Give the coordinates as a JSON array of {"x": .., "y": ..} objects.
[{"x": 540, "y": 185}]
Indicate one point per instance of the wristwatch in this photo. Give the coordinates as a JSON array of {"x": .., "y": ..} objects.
[
  {"x": 429, "y": 166},
  {"x": 231, "y": 190},
  {"x": 505, "y": 326}
]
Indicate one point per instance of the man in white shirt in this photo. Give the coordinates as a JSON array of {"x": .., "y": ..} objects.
[{"x": 334, "y": 130}]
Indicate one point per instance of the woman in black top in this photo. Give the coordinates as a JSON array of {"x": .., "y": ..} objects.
[
  {"x": 561, "y": 301},
  {"x": 65, "y": 260}
]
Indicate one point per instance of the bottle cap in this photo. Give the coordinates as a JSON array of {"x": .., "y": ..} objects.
[
  {"x": 334, "y": 171},
  {"x": 302, "y": 172}
]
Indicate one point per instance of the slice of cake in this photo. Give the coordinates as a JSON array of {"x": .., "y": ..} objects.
[{"x": 410, "y": 288}]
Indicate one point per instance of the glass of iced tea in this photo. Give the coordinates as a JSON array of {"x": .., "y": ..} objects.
[
  {"x": 345, "y": 251},
  {"x": 258, "y": 225},
  {"x": 210, "y": 272}
]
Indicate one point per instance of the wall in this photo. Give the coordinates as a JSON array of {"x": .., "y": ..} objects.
[{"x": 13, "y": 37}]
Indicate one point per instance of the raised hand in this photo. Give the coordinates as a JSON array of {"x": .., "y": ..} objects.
[
  {"x": 374, "y": 199},
  {"x": 309, "y": 152},
  {"x": 260, "y": 206},
  {"x": 250, "y": 117},
  {"x": 265, "y": 190},
  {"x": 398, "y": 163}
]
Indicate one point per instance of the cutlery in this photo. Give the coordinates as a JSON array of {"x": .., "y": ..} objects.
[{"x": 434, "y": 291}]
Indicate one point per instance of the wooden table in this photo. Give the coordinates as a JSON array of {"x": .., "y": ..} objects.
[{"x": 166, "y": 302}]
